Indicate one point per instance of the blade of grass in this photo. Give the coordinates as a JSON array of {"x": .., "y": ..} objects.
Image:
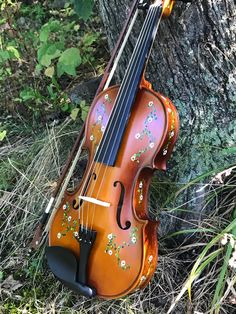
[{"x": 220, "y": 287}]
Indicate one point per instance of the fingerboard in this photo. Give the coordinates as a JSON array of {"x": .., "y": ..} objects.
[{"x": 112, "y": 138}]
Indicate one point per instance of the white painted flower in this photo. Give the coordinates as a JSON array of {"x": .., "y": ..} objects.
[
  {"x": 172, "y": 133},
  {"x": 64, "y": 207},
  {"x": 69, "y": 218},
  {"x": 107, "y": 97},
  {"x": 133, "y": 158},
  {"x": 99, "y": 118},
  {"x": 150, "y": 119},
  {"x": 224, "y": 240},
  {"x": 103, "y": 128},
  {"x": 76, "y": 234},
  {"x": 110, "y": 252},
  {"x": 141, "y": 197},
  {"x": 143, "y": 278},
  {"x": 150, "y": 258},
  {"x": 91, "y": 138},
  {"x": 59, "y": 235},
  {"x": 133, "y": 239},
  {"x": 110, "y": 236},
  {"x": 137, "y": 136},
  {"x": 151, "y": 145},
  {"x": 122, "y": 263},
  {"x": 150, "y": 104},
  {"x": 141, "y": 185},
  {"x": 169, "y": 110},
  {"x": 165, "y": 152}
]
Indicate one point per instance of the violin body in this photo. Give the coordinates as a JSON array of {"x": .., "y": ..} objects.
[{"x": 123, "y": 256}]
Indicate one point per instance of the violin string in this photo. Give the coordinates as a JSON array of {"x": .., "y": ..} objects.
[
  {"x": 112, "y": 117},
  {"x": 152, "y": 18},
  {"x": 147, "y": 39}
]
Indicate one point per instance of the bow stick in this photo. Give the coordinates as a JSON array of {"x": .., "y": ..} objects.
[{"x": 47, "y": 217}]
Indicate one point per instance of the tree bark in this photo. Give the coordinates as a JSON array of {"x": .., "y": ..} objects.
[{"x": 193, "y": 63}]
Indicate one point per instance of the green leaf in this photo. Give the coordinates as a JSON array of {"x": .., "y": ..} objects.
[
  {"x": 84, "y": 110},
  {"x": 14, "y": 52},
  {"x": 83, "y": 8},
  {"x": 4, "y": 56},
  {"x": 50, "y": 27},
  {"x": 3, "y": 135},
  {"x": 74, "y": 113},
  {"x": 69, "y": 60},
  {"x": 49, "y": 71},
  {"x": 47, "y": 52}
]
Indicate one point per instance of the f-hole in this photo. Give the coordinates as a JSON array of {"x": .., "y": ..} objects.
[
  {"x": 81, "y": 201},
  {"x": 119, "y": 208}
]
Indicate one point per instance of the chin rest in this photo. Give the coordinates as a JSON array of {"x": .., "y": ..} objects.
[{"x": 65, "y": 266}]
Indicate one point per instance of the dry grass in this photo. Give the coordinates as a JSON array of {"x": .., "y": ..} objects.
[{"x": 35, "y": 290}]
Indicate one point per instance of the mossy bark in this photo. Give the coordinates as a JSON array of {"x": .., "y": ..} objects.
[{"x": 193, "y": 63}]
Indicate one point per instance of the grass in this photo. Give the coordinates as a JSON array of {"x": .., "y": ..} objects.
[
  {"x": 193, "y": 274},
  {"x": 35, "y": 290}
]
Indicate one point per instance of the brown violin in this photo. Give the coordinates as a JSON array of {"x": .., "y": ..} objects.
[{"x": 101, "y": 240}]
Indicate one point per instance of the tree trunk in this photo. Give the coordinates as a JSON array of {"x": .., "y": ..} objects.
[{"x": 193, "y": 63}]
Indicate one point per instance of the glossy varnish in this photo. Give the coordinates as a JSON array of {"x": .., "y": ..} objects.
[{"x": 121, "y": 260}]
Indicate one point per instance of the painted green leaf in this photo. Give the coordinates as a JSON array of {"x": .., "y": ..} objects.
[
  {"x": 83, "y": 8},
  {"x": 69, "y": 60},
  {"x": 3, "y": 135}
]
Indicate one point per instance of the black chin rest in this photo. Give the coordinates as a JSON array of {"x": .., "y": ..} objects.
[{"x": 64, "y": 266}]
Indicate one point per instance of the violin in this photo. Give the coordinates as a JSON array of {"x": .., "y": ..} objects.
[{"x": 101, "y": 239}]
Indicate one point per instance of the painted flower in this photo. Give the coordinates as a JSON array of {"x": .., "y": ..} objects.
[
  {"x": 169, "y": 110},
  {"x": 69, "y": 218},
  {"x": 143, "y": 278},
  {"x": 133, "y": 239},
  {"x": 172, "y": 133},
  {"x": 150, "y": 119},
  {"x": 76, "y": 234},
  {"x": 150, "y": 258},
  {"x": 150, "y": 104},
  {"x": 59, "y": 235},
  {"x": 133, "y": 158},
  {"x": 103, "y": 128},
  {"x": 91, "y": 138},
  {"x": 137, "y": 136},
  {"x": 110, "y": 236},
  {"x": 141, "y": 185},
  {"x": 151, "y": 145},
  {"x": 99, "y": 118},
  {"x": 141, "y": 197},
  {"x": 122, "y": 263},
  {"x": 165, "y": 152},
  {"x": 110, "y": 252},
  {"x": 64, "y": 207},
  {"x": 107, "y": 97}
]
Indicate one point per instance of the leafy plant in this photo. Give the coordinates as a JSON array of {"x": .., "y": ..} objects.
[{"x": 83, "y": 8}]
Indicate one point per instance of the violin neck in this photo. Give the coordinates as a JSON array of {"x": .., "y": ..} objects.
[{"x": 109, "y": 147}]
